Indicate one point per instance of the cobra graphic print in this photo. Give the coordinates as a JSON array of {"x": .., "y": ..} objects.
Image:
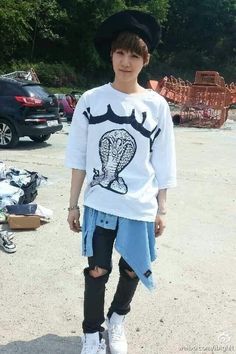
[{"x": 116, "y": 149}]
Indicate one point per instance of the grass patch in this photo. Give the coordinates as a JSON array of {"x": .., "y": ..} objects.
[{"x": 64, "y": 89}]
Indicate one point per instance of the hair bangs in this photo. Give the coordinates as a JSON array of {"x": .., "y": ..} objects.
[{"x": 130, "y": 42}]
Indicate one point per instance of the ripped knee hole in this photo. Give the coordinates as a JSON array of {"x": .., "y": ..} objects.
[
  {"x": 97, "y": 272},
  {"x": 131, "y": 274}
]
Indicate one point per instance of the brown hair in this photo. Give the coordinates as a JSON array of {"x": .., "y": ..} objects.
[{"x": 131, "y": 42}]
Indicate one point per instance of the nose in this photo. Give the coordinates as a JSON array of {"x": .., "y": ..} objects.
[{"x": 125, "y": 60}]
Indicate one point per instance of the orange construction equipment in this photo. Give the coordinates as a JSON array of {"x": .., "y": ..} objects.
[{"x": 205, "y": 103}]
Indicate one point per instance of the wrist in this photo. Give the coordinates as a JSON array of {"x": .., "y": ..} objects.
[
  {"x": 161, "y": 212},
  {"x": 73, "y": 207}
]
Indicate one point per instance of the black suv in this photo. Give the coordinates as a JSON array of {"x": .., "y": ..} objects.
[{"x": 26, "y": 109}]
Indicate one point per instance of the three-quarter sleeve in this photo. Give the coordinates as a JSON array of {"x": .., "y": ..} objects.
[
  {"x": 163, "y": 157},
  {"x": 77, "y": 140}
]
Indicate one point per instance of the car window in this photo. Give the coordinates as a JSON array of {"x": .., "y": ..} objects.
[
  {"x": 59, "y": 96},
  {"x": 9, "y": 89},
  {"x": 36, "y": 91}
]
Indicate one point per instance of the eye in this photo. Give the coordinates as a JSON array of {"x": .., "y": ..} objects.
[
  {"x": 134, "y": 55},
  {"x": 119, "y": 51}
]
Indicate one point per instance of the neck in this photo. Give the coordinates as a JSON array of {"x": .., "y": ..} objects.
[{"x": 127, "y": 87}]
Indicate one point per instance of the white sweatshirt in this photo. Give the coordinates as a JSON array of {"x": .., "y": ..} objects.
[{"x": 125, "y": 142}]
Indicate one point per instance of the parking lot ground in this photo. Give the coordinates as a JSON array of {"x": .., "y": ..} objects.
[{"x": 193, "y": 308}]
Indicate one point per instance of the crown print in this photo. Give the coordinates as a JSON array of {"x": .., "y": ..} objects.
[{"x": 113, "y": 117}]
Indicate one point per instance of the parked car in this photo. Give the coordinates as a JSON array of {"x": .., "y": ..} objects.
[
  {"x": 26, "y": 109},
  {"x": 67, "y": 103}
]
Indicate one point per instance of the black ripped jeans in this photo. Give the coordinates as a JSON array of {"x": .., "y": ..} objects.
[{"x": 94, "y": 293}]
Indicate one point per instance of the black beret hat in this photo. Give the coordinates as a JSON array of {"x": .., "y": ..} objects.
[{"x": 138, "y": 22}]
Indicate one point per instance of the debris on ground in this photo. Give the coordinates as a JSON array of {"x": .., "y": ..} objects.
[{"x": 18, "y": 189}]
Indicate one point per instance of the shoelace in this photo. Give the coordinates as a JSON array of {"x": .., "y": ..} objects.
[
  {"x": 6, "y": 240},
  {"x": 101, "y": 345},
  {"x": 89, "y": 347},
  {"x": 6, "y": 235},
  {"x": 116, "y": 332}
]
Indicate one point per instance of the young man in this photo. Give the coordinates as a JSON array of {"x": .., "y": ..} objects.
[{"x": 122, "y": 139}]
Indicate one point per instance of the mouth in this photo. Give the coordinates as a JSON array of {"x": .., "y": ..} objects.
[{"x": 125, "y": 71}]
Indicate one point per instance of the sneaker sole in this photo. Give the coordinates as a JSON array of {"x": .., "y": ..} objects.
[{"x": 9, "y": 250}]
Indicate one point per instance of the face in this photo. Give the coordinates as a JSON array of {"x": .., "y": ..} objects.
[{"x": 126, "y": 65}]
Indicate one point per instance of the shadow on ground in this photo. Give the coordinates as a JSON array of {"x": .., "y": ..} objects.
[
  {"x": 31, "y": 145},
  {"x": 49, "y": 344}
]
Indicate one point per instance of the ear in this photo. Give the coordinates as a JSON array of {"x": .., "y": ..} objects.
[{"x": 147, "y": 61}]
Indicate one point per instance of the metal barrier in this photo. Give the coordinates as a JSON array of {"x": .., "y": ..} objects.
[{"x": 205, "y": 103}]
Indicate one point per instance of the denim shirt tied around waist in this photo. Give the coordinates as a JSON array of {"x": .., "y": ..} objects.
[{"x": 135, "y": 241}]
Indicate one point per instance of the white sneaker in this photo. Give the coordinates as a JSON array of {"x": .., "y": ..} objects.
[
  {"x": 6, "y": 243},
  {"x": 116, "y": 334},
  {"x": 92, "y": 344}
]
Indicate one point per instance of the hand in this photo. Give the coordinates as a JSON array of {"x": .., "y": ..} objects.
[
  {"x": 73, "y": 220},
  {"x": 160, "y": 224}
]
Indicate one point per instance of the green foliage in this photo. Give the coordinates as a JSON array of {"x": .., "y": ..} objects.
[
  {"x": 66, "y": 89},
  {"x": 57, "y": 74},
  {"x": 158, "y": 8},
  {"x": 200, "y": 32},
  {"x": 58, "y": 35},
  {"x": 28, "y": 25},
  {"x": 14, "y": 25},
  {"x": 85, "y": 17},
  {"x": 48, "y": 16}
]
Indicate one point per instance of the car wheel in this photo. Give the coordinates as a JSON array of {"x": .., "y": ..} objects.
[
  {"x": 8, "y": 135},
  {"x": 176, "y": 119},
  {"x": 40, "y": 138},
  {"x": 69, "y": 118},
  {"x": 61, "y": 113}
]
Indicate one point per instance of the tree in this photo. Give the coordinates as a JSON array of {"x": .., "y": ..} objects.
[
  {"x": 197, "y": 31},
  {"x": 49, "y": 22},
  {"x": 158, "y": 8},
  {"x": 85, "y": 17},
  {"x": 14, "y": 26}
]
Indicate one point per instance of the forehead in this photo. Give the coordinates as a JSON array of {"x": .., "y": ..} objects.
[{"x": 125, "y": 50}]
